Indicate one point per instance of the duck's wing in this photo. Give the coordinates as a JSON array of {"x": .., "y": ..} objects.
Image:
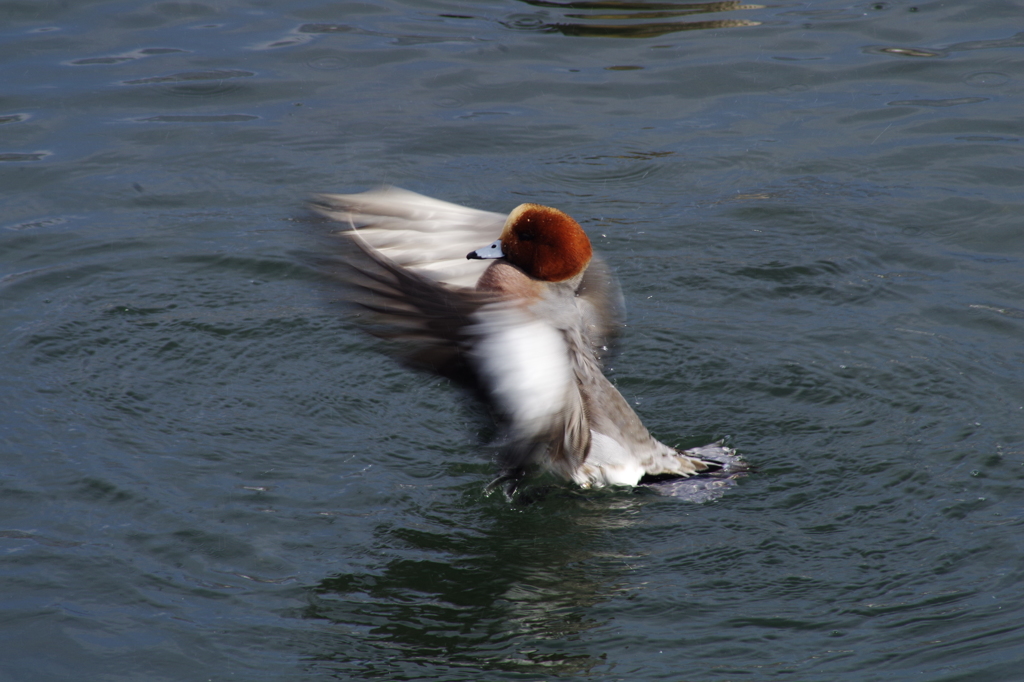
[
  {"x": 523, "y": 363},
  {"x": 426, "y": 322},
  {"x": 427, "y": 236},
  {"x": 601, "y": 304}
]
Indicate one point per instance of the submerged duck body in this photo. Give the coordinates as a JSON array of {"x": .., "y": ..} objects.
[{"x": 519, "y": 307}]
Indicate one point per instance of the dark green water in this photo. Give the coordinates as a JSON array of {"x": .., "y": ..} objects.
[{"x": 816, "y": 211}]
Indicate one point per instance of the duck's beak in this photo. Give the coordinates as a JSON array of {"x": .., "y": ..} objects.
[{"x": 492, "y": 251}]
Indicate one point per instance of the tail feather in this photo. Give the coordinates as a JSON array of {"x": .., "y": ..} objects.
[{"x": 724, "y": 467}]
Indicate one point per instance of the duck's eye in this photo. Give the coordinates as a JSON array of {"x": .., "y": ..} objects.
[{"x": 527, "y": 237}]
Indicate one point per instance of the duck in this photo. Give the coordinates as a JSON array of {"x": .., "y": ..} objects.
[{"x": 520, "y": 309}]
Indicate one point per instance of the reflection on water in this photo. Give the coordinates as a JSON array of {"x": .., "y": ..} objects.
[
  {"x": 510, "y": 590},
  {"x": 644, "y": 30},
  {"x": 1016, "y": 40},
  {"x": 630, "y": 11}
]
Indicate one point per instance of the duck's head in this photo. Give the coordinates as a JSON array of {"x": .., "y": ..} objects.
[{"x": 543, "y": 242}]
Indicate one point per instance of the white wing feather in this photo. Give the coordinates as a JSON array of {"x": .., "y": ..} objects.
[
  {"x": 425, "y": 235},
  {"x": 525, "y": 365}
]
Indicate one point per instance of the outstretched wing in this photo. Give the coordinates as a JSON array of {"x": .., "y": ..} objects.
[
  {"x": 431, "y": 237},
  {"x": 427, "y": 322},
  {"x": 426, "y": 236}
]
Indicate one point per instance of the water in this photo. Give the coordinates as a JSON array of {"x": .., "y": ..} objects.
[{"x": 815, "y": 212}]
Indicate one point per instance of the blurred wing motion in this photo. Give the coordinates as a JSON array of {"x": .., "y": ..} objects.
[{"x": 426, "y": 236}]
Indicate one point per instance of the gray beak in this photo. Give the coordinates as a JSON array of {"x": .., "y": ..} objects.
[{"x": 492, "y": 251}]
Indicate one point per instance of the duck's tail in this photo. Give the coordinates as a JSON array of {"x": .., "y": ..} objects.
[{"x": 724, "y": 466}]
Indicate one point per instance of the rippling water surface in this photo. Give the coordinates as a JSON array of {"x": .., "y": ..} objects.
[{"x": 816, "y": 213}]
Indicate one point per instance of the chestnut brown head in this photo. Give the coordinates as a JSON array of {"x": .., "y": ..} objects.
[{"x": 545, "y": 243}]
